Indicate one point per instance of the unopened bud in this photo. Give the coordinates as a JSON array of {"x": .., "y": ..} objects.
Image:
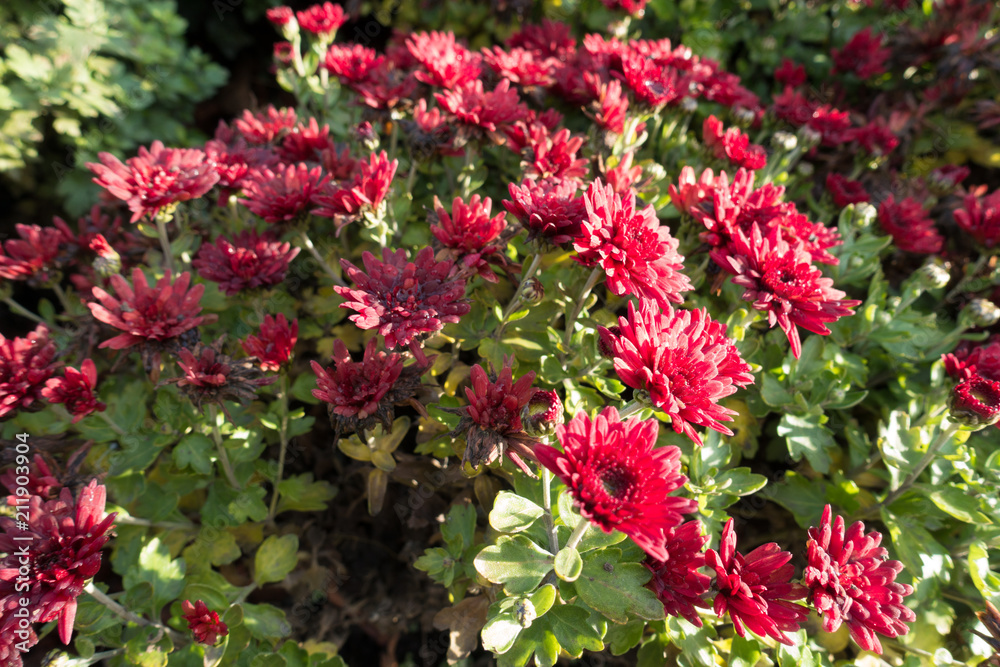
[
  {"x": 743, "y": 117},
  {"x": 524, "y": 612},
  {"x": 784, "y": 141},
  {"x": 934, "y": 274},
  {"x": 809, "y": 137},
  {"x": 606, "y": 340},
  {"x": 689, "y": 105},
  {"x": 805, "y": 169},
  {"x": 366, "y": 134},
  {"x": 108, "y": 262},
  {"x": 975, "y": 402},
  {"x": 533, "y": 292},
  {"x": 981, "y": 313},
  {"x": 542, "y": 413}
]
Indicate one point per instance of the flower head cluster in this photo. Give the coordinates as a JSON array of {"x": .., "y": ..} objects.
[
  {"x": 756, "y": 589},
  {"x": 910, "y": 226},
  {"x": 76, "y": 390},
  {"x": 979, "y": 216},
  {"x": 405, "y": 301},
  {"x": 551, "y": 155},
  {"x": 156, "y": 179},
  {"x": 444, "y": 63},
  {"x": 212, "y": 377},
  {"x": 249, "y": 261},
  {"x": 273, "y": 347},
  {"x": 967, "y": 360},
  {"x": 619, "y": 478},
  {"x": 732, "y": 145},
  {"x": 266, "y": 126},
  {"x": 203, "y": 623},
  {"x": 548, "y": 209},
  {"x": 481, "y": 113},
  {"x": 283, "y": 195},
  {"x": 363, "y": 195},
  {"x": 863, "y": 55},
  {"x": 26, "y": 364},
  {"x": 469, "y": 234},
  {"x": 36, "y": 255},
  {"x": 677, "y": 581},
  {"x": 683, "y": 359},
  {"x": 66, "y": 537},
  {"x": 852, "y": 581},
  {"x": 637, "y": 254},
  {"x": 323, "y": 20}
]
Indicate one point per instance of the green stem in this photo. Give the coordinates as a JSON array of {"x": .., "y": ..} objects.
[
  {"x": 411, "y": 177},
  {"x": 61, "y": 295},
  {"x": 168, "y": 256},
  {"x": 969, "y": 275},
  {"x": 213, "y": 414},
  {"x": 111, "y": 424},
  {"x": 17, "y": 308},
  {"x": 393, "y": 138},
  {"x": 516, "y": 301},
  {"x": 630, "y": 408},
  {"x": 592, "y": 279},
  {"x": 169, "y": 525},
  {"x": 467, "y": 170},
  {"x": 130, "y": 616},
  {"x": 283, "y": 435},
  {"x": 550, "y": 525},
  {"x": 578, "y": 532},
  {"x": 311, "y": 249}
]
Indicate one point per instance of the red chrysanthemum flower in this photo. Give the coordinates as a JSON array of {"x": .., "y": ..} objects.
[
  {"x": 492, "y": 421},
  {"x": 429, "y": 133},
  {"x": 273, "y": 347},
  {"x": 910, "y": 226},
  {"x": 36, "y": 255},
  {"x": 610, "y": 106},
  {"x": 65, "y": 538},
  {"x": 876, "y": 137},
  {"x": 212, "y": 377},
  {"x": 156, "y": 178},
  {"x": 948, "y": 177},
  {"x": 361, "y": 394},
  {"x": 548, "y": 209},
  {"x": 14, "y": 638},
  {"x": 975, "y": 402},
  {"x": 550, "y": 39},
  {"x": 387, "y": 87},
  {"x": 852, "y": 581},
  {"x": 633, "y": 7},
  {"x": 306, "y": 143},
  {"x": 151, "y": 317},
  {"x": 623, "y": 177},
  {"x": 732, "y": 145},
  {"x": 266, "y": 126},
  {"x": 676, "y": 580},
  {"x": 968, "y": 360},
  {"x": 980, "y": 218},
  {"x": 792, "y": 106},
  {"x": 483, "y": 113},
  {"x": 844, "y": 191},
  {"x": 25, "y": 366},
  {"x": 833, "y": 125},
  {"x": 689, "y": 191},
  {"x": 553, "y": 156},
  {"x": 444, "y": 62},
  {"x": 863, "y": 55},
  {"x": 405, "y": 301},
  {"x": 519, "y": 137},
  {"x": 280, "y": 16},
  {"x": 249, "y": 261},
  {"x": 756, "y": 589},
  {"x": 235, "y": 161},
  {"x": 637, "y": 254},
  {"x": 469, "y": 234},
  {"x": 683, "y": 359},
  {"x": 323, "y": 20},
  {"x": 364, "y": 195},
  {"x": 790, "y": 73},
  {"x": 520, "y": 66},
  {"x": 41, "y": 482},
  {"x": 780, "y": 280},
  {"x": 652, "y": 84},
  {"x": 76, "y": 390},
  {"x": 543, "y": 412},
  {"x": 352, "y": 63},
  {"x": 203, "y": 623},
  {"x": 285, "y": 195},
  {"x": 619, "y": 478}
]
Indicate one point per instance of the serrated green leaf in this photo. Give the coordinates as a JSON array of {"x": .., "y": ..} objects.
[
  {"x": 516, "y": 562},
  {"x": 986, "y": 581},
  {"x": 617, "y": 589},
  {"x": 275, "y": 558},
  {"x": 265, "y": 621},
  {"x": 806, "y": 436},
  {"x": 155, "y": 567},
  {"x": 739, "y": 481},
  {"x": 622, "y": 638},
  {"x": 805, "y": 499},
  {"x": 511, "y": 513},
  {"x": 958, "y": 504}
]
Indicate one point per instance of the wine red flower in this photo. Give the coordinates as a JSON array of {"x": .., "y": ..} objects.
[
  {"x": 910, "y": 226},
  {"x": 844, "y": 191},
  {"x": 780, "y": 280},
  {"x": 444, "y": 62},
  {"x": 968, "y": 360},
  {"x": 12, "y": 642},
  {"x": 637, "y": 254},
  {"x": 266, "y": 126},
  {"x": 548, "y": 209},
  {"x": 852, "y": 580},
  {"x": 469, "y": 234},
  {"x": 156, "y": 178},
  {"x": 789, "y": 73},
  {"x": 633, "y": 7},
  {"x": 975, "y": 402},
  {"x": 520, "y": 66},
  {"x": 352, "y": 63},
  {"x": 619, "y": 478},
  {"x": 405, "y": 301},
  {"x": 203, "y": 623},
  {"x": 25, "y": 366},
  {"x": 652, "y": 84},
  {"x": 732, "y": 145},
  {"x": 429, "y": 133},
  {"x": 306, "y": 143},
  {"x": 273, "y": 347},
  {"x": 76, "y": 390},
  {"x": 756, "y": 589},
  {"x": 979, "y": 216},
  {"x": 212, "y": 377},
  {"x": 280, "y": 16},
  {"x": 363, "y": 195},
  {"x": 550, "y": 39},
  {"x": 235, "y": 161},
  {"x": 683, "y": 359},
  {"x": 876, "y": 137},
  {"x": 623, "y": 177},
  {"x": 323, "y": 20},
  {"x": 551, "y": 155},
  {"x": 36, "y": 255},
  {"x": 66, "y": 538},
  {"x": 285, "y": 194},
  {"x": 41, "y": 482},
  {"x": 483, "y": 113},
  {"x": 863, "y": 55},
  {"x": 543, "y": 412},
  {"x": 676, "y": 580},
  {"x": 833, "y": 125},
  {"x": 249, "y": 261}
]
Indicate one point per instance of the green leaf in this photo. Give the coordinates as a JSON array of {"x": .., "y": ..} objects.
[
  {"x": 511, "y": 513},
  {"x": 275, "y": 558},
  {"x": 265, "y": 621},
  {"x": 986, "y": 581},
  {"x": 516, "y": 562},
  {"x": 594, "y": 537},
  {"x": 568, "y": 564},
  {"x": 922, "y": 555},
  {"x": 459, "y": 527},
  {"x": 739, "y": 482},
  {"x": 805, "y": 435},
  {"x": 156, "y": 568},
  {"x": 501, "y": 630},
  {"x": 805, "y": 499},
  {"x": 302, "y": 494},
  {"x": 745, "y": 652},
  {"x": 622, "y": 638},
  {"x": 616, "y": 589},
  {"x": 958, "y": 504},
  {"x": 901, "y": 445}
]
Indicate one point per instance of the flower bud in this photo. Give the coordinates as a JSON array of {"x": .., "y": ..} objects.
[
  {"x": 689, "y": 105},
  {"x": 542, "y": 413},
  {"x": 366, "y": 134},
  {"x": 533, "y": 292},
  {"x": 809, "y": 137},
  {"x": 606, "y": 340},
  {"x": 934, "y": 274},
  {"x": 975, "y": 402},
  {"x": 805, "y": 169},
  {"x": 980, "y": 313},
  {"x": 784, "y": 141},
  {"x": 283, "y": 53},
  {"x": 743, "y": 117},
  {"x": 108, "y": 262},
  {"x": 524, "y": 612},
  {"x": 643, "y": 398}
]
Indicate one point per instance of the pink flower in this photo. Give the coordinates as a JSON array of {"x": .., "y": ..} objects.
[
  {"x": 280, "y": 16},
  {"x": 155, "y": 179},
  {"x": 273, "y": 347},
  {"x": 36, "y": 255},
  {"x": 677, "y": 581},
  {"x": 26, "y": 364},
  {"x": 756, "y": 589},
  {"x": 203, "y": 623},
  {"x": 283, "y": 195},
  {"x": 352, "y": 63},
  {"x": 469, "y": 233},
  {"x": 852, "y": 580},
  {"x": 483, "y": 113},
  {"x": 980, "y": 218},
  {"x": 550, "y": 39},
  {"x": 618, "y": 477},
  {"x": 361, "y": 196},
  {"x": 637, "y": 254},
  {"x": 862, "y": 55},
  {"x": 910, "y": 226},
  {"x": 249, "y": 261},
  {"x": 76, "y": 390},
  {"x": 876, "y": 137},
  {"x": 689, "y": 192},
  {"x": 306, "y": 143},
  {"x": 683, "y": 359},
  {"x": 553, "y": 156},
  {"x": 548, "y": 209},
  {"x": 610, "y": 106},
  {"x": 732, "y": 145},
  {"x": 520, "y": 66},
  {"x": 652, "y": 84},
  {"x": 323, "y": 20},
  {"x": 266, "y": 126},
  {"x": 445, "y": 63},
  {"x": 405, "y": 301}
]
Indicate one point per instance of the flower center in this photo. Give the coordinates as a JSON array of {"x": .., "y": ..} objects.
[{"x": 615, "y": 481}]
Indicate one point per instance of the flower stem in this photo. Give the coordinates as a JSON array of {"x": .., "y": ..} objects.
[
  {"x": 518, "y": 293},
  {"x": 168, "y": 255},
  {"x": 130, "y": 616},
  {"x": 411, "y": 178},
  {"x": 283, "y": 435},
  {"x": 61, "y": 295},
  {"x": 943, "y": 437},
  {"x": 213, "y": 414},
  {"x": 630, "y": 408},
  {"x": 550, "y": 525},
  {"x": 592, "y": 279},
  {"x": 467, "y": 171},
  {"x": 578, "y": 532},
  {"x": 112, "y": 424},
  {"x": 311, "y": 249},
  {"x": 170, "y": 525},
  {"x": 969, "y": 275},
  {"x": 15, "y": 307}
]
